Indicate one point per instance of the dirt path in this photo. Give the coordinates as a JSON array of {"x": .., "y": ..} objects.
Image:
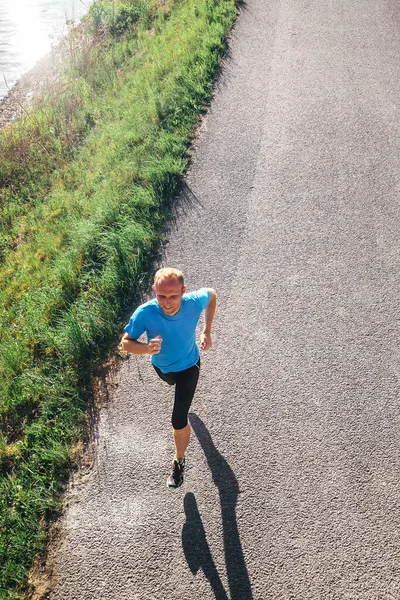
[{"x": 291, "y": 212}]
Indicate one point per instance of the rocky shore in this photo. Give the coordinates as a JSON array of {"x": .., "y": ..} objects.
[{"x": 44, "y": 75}]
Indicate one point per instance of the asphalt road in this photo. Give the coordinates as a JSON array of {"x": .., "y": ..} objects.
[{"x": 291, "y": 212}]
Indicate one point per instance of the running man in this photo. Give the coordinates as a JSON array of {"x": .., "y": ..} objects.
[{"x": 170, "y": 322}]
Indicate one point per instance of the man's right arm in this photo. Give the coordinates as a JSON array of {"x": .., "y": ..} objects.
[{"x": 134, "y": 347}]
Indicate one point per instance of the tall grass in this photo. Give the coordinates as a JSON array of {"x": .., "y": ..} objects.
[{"x": 86, "y": 183}]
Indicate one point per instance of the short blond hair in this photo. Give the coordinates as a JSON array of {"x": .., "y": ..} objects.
[{"x": 168, "y": 273}]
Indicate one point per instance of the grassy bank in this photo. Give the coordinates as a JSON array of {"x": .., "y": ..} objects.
[{"x": 86, "y": 183}]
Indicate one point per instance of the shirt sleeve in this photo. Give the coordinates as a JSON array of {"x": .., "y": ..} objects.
[
  {"x": 201, "y": 297},
  {"x": 136, "y": 326}
]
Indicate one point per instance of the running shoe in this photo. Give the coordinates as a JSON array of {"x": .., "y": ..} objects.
[{"x": 175, "y": 480}]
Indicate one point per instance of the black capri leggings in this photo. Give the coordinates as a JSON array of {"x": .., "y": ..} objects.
[{"x": 185, "y": 386}]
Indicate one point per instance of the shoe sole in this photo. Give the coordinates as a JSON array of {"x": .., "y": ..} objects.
[{"x": 174, "y": 487}]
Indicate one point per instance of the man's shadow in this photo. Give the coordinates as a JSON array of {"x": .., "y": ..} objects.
[{"x": 195, "y": 546}]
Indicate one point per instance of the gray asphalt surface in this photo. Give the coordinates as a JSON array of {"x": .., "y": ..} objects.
[{"x": 291, "y": 212}]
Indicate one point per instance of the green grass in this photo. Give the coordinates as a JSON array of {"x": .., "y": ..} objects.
[{"x": 86, "y": 184}]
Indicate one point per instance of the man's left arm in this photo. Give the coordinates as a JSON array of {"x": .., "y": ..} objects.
[{"x": 209, "y": 312}]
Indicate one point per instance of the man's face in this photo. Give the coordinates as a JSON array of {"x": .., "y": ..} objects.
[{"x": 169, "y": 294}]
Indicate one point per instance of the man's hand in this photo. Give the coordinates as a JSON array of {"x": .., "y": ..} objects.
[
  {"x": 205, "y": 341},
  {"x": 154, "y": 345}
]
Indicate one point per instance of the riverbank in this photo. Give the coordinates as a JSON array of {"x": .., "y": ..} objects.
[{"x": 44, "y": 75}]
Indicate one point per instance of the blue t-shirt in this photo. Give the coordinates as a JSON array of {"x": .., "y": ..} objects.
[{"x": 179, "y": 350}]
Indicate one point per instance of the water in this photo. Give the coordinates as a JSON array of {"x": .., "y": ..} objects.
[{"x": 28, "y": 31}]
